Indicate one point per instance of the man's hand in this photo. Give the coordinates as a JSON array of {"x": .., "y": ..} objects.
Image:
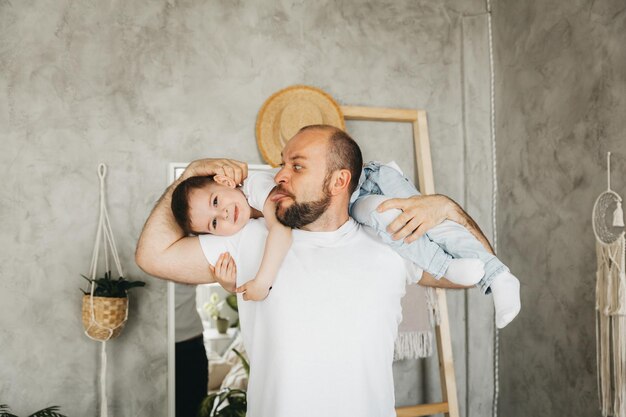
[
  {"x": 422, "y": 212},
  {"x": 225, "y": 271},
  {"x": 419, "y": 214},
  {"x": 236, "y": 170}
]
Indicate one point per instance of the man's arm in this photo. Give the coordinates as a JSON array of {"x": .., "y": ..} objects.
[
  {"x": 419, "y": 214},
  {"x": 422, "y": 212},
  {"x": 163, "y": 250}
]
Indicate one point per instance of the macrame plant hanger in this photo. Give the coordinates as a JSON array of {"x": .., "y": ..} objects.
[
  {"x": 610, "y": 301},
  {"x": 103, "y": 329}
]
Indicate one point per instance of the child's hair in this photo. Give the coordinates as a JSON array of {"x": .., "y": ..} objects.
[{"x": 180, "y": 200}]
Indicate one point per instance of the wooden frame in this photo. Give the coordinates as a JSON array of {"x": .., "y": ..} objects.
[{"x": 450, "y": 405}]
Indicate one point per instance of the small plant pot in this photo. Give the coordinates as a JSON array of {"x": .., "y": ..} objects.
[
  {"x": 222, "y": 325},
  {"x": 109, "y": 316}
]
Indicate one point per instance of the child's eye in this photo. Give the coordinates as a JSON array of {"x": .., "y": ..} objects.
[
  {"x": 215, "y": 202},
  {"x": 214, "y": 223}
]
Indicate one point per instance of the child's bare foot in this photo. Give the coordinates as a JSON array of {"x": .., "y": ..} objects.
[{"x": 255, "y": 290}]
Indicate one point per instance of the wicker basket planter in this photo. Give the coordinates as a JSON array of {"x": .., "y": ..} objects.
[{"x": 110, "y": 316}]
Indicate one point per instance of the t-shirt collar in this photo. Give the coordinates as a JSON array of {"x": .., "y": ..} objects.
[{"x": 326, "y": 238}]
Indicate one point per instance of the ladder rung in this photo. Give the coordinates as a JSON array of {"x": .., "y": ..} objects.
[{"x": 422, "y": 410}]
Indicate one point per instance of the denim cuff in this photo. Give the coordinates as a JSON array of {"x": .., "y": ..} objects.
[{"x": 493, "y": 268}]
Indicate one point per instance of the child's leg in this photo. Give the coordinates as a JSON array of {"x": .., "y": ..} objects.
[
  {"x": 456, "y": 240},
  {"x": 424, "y": 253},
  {"x": 459, "y": 242}
]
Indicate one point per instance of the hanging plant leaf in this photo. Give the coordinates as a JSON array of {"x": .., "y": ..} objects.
[{"x": 114, "y": 288}]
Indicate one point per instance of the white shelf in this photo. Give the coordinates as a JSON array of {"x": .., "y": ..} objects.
[{"x": 218, "y": 342}]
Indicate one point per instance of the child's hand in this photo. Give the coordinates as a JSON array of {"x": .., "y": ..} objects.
[
  {"x": 254, "y": 290},
  {"x": 225, "y": 271},
  {"x": 236, "y": 170}
]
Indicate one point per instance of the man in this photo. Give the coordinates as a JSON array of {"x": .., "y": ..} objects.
[{"x": 322, "y": 343}]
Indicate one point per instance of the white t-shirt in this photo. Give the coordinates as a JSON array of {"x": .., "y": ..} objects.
[
  {"x": 322, "y": 343},
  {"x": 257, "y": 186}
]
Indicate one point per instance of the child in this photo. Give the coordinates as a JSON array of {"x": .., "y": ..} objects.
[
  {"x": 215, "y": 205},
  {"x": 432, "y": 251},
  {"x": 227, "y": 212}
]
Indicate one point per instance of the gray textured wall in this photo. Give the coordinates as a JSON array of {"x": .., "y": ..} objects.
[
  {"x": 139, "y": 84},
  {"x": 561, "y": 105}
]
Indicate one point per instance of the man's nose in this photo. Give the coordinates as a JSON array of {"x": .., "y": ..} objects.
[{"x": 281, "y": 176}]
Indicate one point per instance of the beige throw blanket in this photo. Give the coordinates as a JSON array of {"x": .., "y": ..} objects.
[{"x": 420, "y": 312}]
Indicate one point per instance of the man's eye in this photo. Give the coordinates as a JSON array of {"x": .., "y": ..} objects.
[
  {"x": 297, "y": 167},
  {"x": 214, "y": 223},
  {"x": 215, "y": 202}
]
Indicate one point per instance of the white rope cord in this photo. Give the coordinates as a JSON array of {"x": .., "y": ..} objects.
[
  {"x": 104, "y": 233},
  {"x": 103, "y": 381},
  {"x": 494, "y": 201}
]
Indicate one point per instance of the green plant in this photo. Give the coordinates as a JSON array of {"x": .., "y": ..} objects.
[
  {"x": 114, "y": 288},
  {"x": 231, "y": 301},
  {"x": 225, "y": 403},
  {"x": 5, "y": 411},
  {"x": 246, "y": 364}
]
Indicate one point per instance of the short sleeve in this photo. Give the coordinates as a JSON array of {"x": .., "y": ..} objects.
[
  {"x": 213, "y": 246},
  {"x": 258, "y": 186},
  {"x": 413, "y": 272}
]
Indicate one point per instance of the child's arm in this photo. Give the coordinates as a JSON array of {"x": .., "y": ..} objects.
[{"x": 276, "y": 247}]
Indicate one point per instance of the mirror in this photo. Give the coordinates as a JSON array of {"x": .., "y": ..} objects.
[{"x": 194, "y": 340}]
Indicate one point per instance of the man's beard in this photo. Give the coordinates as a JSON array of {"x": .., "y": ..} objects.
[{"x": 299, "y": 215}]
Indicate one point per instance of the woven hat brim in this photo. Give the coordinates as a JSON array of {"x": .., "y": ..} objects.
[{"x": 270, "y": 138}]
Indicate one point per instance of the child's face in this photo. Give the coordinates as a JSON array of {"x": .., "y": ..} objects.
[{"x": 218, "y": 209}]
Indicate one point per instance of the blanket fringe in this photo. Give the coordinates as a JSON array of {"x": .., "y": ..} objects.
[{"x": 412, "y": 345}]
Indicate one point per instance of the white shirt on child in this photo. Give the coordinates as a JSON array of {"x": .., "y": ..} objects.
[
  {"x": 322, "y": 343},
  {"x": 257, "y": 186}
]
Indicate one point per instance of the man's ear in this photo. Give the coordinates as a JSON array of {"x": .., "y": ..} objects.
[
  {"x": 340, "y": 181},
  {"x": 224, "y": 180}
]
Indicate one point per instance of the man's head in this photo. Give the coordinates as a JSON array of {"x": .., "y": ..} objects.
[
  {"x": 320, "y": 170},
  {"x": 212, "y": 205}
]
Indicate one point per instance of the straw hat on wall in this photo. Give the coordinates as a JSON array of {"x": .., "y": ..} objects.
[{"x": 287, "y": 111}]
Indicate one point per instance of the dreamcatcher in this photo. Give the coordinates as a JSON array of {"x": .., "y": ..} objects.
[{"x": 610, "y": 300}]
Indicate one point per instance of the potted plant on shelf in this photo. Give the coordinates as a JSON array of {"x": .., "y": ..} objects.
[
  {"x": 228, "y": 402},
  {"x": 214, "y": 307},
  {"x": 105, "y": 314},
  {"x": 5, "y": 411}
]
